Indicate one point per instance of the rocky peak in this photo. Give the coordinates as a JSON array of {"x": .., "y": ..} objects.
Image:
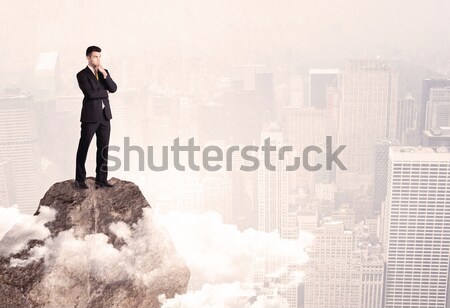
[{"x": 90, "y": 248}]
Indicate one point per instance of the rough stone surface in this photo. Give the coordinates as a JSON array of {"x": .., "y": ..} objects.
[{"x": 87, "y": 212}]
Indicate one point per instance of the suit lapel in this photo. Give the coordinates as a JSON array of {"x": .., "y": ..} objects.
[{"x": 91, "y": 77}]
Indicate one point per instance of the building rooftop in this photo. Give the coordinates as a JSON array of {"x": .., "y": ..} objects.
[
  {"x": 441, "y": 131},
  {"x": 419, "y": 153}
]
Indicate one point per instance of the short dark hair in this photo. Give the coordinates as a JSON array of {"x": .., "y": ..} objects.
[{"x": 90, "y": 49}]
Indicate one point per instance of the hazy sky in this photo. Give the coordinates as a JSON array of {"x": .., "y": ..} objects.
[
  {"x": 228, "y": 28},
  {"x": 186, "y": 45}
]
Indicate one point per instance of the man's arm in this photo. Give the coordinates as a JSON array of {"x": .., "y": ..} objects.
[
  {"x": 87, "y": 89},
  {"x": 110, "y": 84}
]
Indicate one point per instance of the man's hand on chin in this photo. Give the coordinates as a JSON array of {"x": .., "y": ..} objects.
[{"x": 102, "y": 70}]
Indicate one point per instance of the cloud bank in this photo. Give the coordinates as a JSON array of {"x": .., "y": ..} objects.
[{"x": 219, "y": 256}]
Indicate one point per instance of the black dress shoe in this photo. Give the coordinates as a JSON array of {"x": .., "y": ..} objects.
[
  {"x": 81, "y": 185},
  {"x": 103, "y": 184}
]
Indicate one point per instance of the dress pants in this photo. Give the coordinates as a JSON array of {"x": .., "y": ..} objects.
[{"x": 102, "y": 130}]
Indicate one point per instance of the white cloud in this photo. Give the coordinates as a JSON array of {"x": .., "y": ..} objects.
[
  {"x": 220, "y": 253},
  {"x": 26, "y": 227},
  {"x": 226, "y": 295},
  {"x": 219, "y": 256}
]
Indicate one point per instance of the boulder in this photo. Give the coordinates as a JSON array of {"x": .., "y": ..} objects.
[{"x": 91, "y": 247}]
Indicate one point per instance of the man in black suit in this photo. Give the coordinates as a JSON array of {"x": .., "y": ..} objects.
[{"x": 96, "y": 83}]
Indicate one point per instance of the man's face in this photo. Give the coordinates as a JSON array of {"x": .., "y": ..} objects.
[{"x": 94, "y": 58}]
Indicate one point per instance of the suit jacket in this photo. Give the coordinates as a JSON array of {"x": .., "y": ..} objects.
[{"x": 95, "y": 91}]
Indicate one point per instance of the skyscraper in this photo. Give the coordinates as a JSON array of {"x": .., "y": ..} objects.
[
  {"x": 438, "y": 108},
  {"x": 407, "y": 120},
  {"x": 372, "y": 283},
  {"x": 417, "y": 233},
  {"x": 304, "y": 126},
  {"x": 380, "y": 173},
  {"x": 368, "y": 112},
  {"x": 333, "y": 276},
  {"x": 19, "y": 144},
  {"x": 426, "y": 88},
  {"x": 272, "y": 185},
  {"x": 274, "y": 215},
  {"x": 319, "y": 81},
  {"x": 7, "y": 191}
]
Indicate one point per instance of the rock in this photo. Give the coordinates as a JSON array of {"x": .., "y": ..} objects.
[{"x": 99, "y": 248}]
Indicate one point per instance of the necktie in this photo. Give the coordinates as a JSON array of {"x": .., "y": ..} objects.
[{"x": 96, "y": 76}]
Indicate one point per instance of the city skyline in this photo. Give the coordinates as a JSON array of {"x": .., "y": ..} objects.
[{"x": 374, "y": 78}]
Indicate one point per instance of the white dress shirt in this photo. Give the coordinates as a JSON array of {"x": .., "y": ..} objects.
[{"x": 93, "y": 72}]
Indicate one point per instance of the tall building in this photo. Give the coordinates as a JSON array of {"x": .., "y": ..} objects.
[
  {"x": 417, "y": 231},
  {"x": 272, "y": 185},
  {"x": 333, "y": 276},
  {"x": 323, "y": 176},
  {"x": 339, "y": 274},
  {"x": 427, "y": 85},
  {"x": 244, "y": 193},
  {"x": 368, "y": 112},
  {"x": 217, "y": 194},
  {"x": 274, "y": 215},
  {"x": 372, "y": 275},
  {"x": 19, "y": 144},
  {"x": 332, "y": 112},
  {"x": 406, "y": 120},
  {"x": 319, "y": 81},
  {"x": 7, "y": 192},
  {"x": 265, "y": 91},
  {"x": 304, "y": 126},
  {"x": 438, "y": 108},
  {"x": 380, "y": 172}
]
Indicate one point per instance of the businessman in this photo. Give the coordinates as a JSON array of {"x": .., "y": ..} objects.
[{"x": 96, "y": 83}]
